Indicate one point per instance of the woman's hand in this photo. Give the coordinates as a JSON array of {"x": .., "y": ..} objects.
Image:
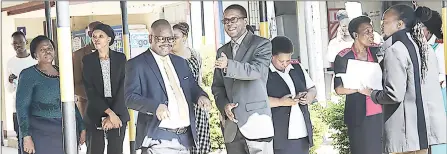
[
  {"x": 82, "y": 137},
  {"x": 106, "y": 124},
  {"x": 28, "y": 145},
  {"x": 115, "y": 120}
]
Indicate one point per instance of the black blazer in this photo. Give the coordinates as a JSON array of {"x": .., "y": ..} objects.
[
  {"x": 355, "y": 104},
  {"x": 145, "y": 91},
  {"x": 277, "y": 88},
  {"x": 94, "y": 86}
]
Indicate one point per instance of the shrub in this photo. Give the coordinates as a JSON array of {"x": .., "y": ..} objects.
[
  {"x": 319, "y": 127},
  {"x": 333, "y": 116}
]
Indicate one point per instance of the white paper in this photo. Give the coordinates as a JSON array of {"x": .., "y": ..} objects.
[{"x": 362, "y": 74}]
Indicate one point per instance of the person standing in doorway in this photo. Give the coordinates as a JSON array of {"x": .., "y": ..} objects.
[
  {"x": 78, "y": 55},
  {"x": 290, "y": 90},
  {"x": 239, "y": 87},
  {"x": 15, "y": 65}
]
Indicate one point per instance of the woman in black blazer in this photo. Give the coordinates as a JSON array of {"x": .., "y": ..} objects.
[{"x": 103, "y": 77}]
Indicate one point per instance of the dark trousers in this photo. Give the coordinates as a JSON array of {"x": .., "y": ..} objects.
[
  {"x": 16, "y": 129},
  {"x": 96, "y": 141}
]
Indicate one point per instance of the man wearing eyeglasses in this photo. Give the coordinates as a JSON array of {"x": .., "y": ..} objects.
[
  {"x": 239, "y": 87},
  {"x": 81, "y": 98},
  {"x": 161, "y": 87}
]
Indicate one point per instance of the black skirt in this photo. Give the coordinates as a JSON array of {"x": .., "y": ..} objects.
[{"x": 366, "y": 138}]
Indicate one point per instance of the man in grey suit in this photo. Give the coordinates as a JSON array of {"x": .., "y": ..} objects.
[{"x": 239, "y": 87}]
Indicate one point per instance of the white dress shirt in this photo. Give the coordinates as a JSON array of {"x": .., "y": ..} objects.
[
  {"x": 174, "y": 120},
  {"x": 297, "y": 125}
]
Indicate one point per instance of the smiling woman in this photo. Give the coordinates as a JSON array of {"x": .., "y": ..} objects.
[{"x": 38, "y": 102}]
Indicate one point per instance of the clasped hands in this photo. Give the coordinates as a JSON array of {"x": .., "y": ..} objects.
[
  {"x": 111, "y": 122},
  {"x": 162, "y": 111},
  {"x": 300, "y": 98}
]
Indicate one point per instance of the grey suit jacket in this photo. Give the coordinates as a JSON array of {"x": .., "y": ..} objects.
[
  {"x": 244, "y": 83},
  {"x": 412, "y": 107}
]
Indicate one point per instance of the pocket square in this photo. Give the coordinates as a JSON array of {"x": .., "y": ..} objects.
[{"x": 186, "y": 77}]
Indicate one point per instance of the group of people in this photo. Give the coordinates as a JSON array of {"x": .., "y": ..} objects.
[
  {"x": 263, "y": 98},
  {"x": 408, "y": 115}
]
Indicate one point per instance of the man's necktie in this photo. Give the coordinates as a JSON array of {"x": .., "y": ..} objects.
[
  {"x": 179, "y": 96},
  {"x": 235, "y": 48}
]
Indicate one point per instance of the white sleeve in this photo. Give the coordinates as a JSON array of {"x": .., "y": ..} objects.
[
  {"x": 309, "y": 82},
  {"x": 441, "y": 66}
]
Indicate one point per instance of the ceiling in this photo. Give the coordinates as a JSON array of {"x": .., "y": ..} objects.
[{"x": 6, "y": 4}]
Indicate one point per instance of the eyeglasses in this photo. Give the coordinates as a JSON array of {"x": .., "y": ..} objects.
[
  {"x": 232, "y": 20},
  {"x": 162, "y": 39}
]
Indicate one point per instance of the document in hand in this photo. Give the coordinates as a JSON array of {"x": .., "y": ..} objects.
[{"x": 362, "y": 74}]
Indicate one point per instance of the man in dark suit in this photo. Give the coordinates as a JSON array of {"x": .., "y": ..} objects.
[
  {"x": 162, "y": 88},
  {"x": 239, "y": 86},
  {"x": 290, "y": 90}
]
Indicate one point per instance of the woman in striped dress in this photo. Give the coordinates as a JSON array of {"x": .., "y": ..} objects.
[{"x": 195, "y": 62}]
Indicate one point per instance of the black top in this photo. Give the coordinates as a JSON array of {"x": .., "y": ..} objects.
[
  {"x": 277, "y": 88},
  {"x": 355, "y": 104},
  {"x": 94, "y": 86}
]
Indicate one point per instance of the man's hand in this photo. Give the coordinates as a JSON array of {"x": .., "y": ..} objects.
[
  {"x": 162, "y": 112},
  {"x": 222, "y": 61},
  {"x": 229, "y": 111},
  {"x": 11, "y": 78},
  {"x": 204, "y": 103},
  {"x": 287, "y": 100}
]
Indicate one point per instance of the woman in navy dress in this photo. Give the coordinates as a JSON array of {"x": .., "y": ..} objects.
[
  {"x": 362, "y": 117},
  {"x": 38, "y": 103}
]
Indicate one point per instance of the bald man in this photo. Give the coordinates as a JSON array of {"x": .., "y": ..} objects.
[
  {"x": 162, "y": 88},
  {"x": 81, "y": 98}
]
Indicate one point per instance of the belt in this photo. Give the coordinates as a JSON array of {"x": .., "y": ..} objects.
[{"x": 177, "y": 130}]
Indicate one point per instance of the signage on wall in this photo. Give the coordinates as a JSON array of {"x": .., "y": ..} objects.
[{"x": 22, "y": 29}]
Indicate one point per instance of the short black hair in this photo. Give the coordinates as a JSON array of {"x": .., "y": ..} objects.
[
  {"x": 36, "y": 41},
  {"x": 18, "y": 33},
  {"x": 238, "y": 7},
  {"x": 160, "y": 22},
  {"x": 281, "y": 44},
  {"x": 355, "y": 23}
]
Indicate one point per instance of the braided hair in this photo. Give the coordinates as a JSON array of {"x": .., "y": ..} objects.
[{"x": 414, "y": 26}]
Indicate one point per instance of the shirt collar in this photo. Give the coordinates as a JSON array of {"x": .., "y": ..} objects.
[
  {"x": 159, "y": 58},
  {"x": 240, "y": 39},
  {"x": 287, "y": 70}
]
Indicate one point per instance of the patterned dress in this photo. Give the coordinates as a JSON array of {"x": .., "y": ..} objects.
[{"x": 202, "y": 117}]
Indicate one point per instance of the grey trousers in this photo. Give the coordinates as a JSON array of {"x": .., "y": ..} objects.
[
  {"x": 169, "y": 143},
  {"x": 166, "y": 147},
  {"x": 241, "y": 145}
]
